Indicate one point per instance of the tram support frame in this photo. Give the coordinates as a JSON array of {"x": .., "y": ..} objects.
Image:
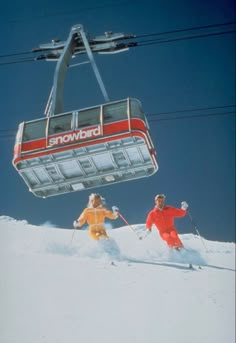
[{"x": 55, "y": 101}]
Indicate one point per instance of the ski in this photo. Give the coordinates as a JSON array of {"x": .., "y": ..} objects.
[{"x": 191, "y": 266}]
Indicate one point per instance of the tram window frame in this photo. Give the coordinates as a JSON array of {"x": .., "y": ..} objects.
[
  {"x": 19, "y": 134},
  {"x": 89, "y": 117},
  {"x": 34, "y": 130},
  {"x": 60, "y": 124},
  {"x": 112, "y": 112}
]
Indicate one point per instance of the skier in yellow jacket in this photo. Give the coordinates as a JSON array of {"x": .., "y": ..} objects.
[{"x": 94, "y": 214}]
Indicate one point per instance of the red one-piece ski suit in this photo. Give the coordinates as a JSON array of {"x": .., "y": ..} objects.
[{"x": 164, "y": 221}]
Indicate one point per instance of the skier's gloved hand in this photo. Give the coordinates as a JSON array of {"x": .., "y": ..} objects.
[
  {"x": 184, "y": 205},
  {"x": 76, "y": 224},
  {"x": 115, "y": 209},
  {"x": 148, "y": 231}
]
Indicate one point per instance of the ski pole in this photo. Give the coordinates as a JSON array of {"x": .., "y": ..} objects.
[
  {"x": 196, "y": 229},
  {"x": 120, "y": 215},
  {"x": 74, "y": 229},
  {"x": 146, "y": 234}
]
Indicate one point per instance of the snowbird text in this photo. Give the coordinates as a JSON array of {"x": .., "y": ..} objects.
[{"x": 79, "y": 135}]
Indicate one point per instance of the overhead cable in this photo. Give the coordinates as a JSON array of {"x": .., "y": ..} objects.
[{"x": 174, "y": 35}]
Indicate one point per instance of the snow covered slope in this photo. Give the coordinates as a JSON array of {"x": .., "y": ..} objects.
[{"x": 55, "y": 289}]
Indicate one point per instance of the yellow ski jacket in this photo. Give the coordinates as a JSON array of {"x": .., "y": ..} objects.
[{"x": 95, "y": 217}]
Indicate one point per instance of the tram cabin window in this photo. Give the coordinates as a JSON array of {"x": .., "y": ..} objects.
[
  {"x": 115, "y": 111},
  {"x": 89, "y": 117},
  {"x": 61, "y": 123},
  {"x": 34, "y": 130},
  {"x": 136, "y": 109}
]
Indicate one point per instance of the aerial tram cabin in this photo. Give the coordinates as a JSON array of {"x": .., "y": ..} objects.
[{"x": 82, "y": 149}]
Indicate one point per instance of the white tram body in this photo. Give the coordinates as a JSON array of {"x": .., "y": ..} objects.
[{"x": 84, "y": 149}]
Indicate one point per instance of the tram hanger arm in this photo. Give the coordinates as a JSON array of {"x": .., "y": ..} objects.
[
  {"x": 77, "y": 37},
  {"x": 78, "y": 43}
]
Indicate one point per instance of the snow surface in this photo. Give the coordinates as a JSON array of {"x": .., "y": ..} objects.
[{"x": 57, "y": 287}]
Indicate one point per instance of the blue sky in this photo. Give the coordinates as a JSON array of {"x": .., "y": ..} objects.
[{"x": 195, "y": 155}]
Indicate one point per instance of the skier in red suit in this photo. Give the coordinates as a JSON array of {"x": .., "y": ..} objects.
[{"x": 163, "y": 218}]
